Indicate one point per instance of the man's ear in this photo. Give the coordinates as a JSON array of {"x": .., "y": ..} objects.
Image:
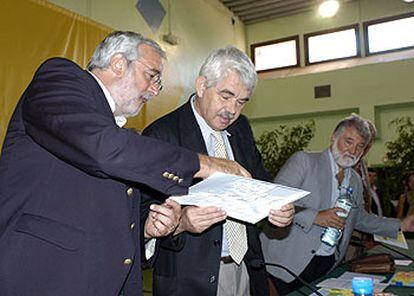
[
  {"x": 201, "y": 86},
  {"x": 118, "y": 64}
]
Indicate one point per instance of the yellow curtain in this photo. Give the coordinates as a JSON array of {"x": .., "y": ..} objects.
[{"x": 31, "y": 32}]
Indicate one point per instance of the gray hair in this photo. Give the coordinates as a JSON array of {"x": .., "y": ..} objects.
[
  {"x": 225, "y": 60},
  {"x": 123, "y": 42},
  {"x": 356, "y": 121}
]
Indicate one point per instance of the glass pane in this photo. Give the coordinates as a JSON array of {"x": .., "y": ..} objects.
[
  {"x": 277, "y": 55},
  {"x": 330, "y": 46},
  {"x": 391, "y": 35}
]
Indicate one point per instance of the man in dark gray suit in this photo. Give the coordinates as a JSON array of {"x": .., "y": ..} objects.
[
  {"x": 325, "y": 174},
  {"x": 70, "y": 175},
  {"x": 200, "y": 259}
]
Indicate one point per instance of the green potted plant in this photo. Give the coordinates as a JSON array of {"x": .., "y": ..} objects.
[{"x": 277, "y": 145}]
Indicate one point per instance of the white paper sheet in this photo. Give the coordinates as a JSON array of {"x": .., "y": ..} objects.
[
  {"x": 348, "y": 275},
  {"x": 242, "y": 198},
  {"x": 402, "y": 262},
  {"x": 342, "y": 284}
]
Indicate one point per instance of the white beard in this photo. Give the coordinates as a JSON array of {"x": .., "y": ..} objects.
[{"x": 344, "y": 160}]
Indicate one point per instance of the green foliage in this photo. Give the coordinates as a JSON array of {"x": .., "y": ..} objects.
[
  {"x": 400, "y": 156},
  {"x": 278, "y": 145}
]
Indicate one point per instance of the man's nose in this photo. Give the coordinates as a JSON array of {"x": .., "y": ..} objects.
[
  {"x": 231, "y": 106},
  {"x": 355, "y": 150}
]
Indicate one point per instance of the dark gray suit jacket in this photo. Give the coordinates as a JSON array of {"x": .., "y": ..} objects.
[
  {"x": 191, "y": 267},
  {"x": 70, "y": 183},
  {"x": 294, "y": 246}
]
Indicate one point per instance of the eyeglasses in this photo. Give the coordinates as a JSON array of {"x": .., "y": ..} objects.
[{"x": 153, "y": 74}]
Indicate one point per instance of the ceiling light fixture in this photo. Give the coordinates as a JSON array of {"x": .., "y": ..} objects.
[
  {"x": 328, "y": 8},
  {"x": 408, "y": 1}
]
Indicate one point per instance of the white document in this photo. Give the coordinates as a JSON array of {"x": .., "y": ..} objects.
[
  {"x": 350, "y": 275},
  {"x": 397, "y": 242},
  {"x": 346, "y": 284},
  {"x": 402, "y": 262},
  {"x": 242, "y": 198}
]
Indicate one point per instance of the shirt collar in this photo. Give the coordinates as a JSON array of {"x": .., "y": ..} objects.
[
  {"x": 206, "y": 130},
  {"x": 120, "y": 120}
]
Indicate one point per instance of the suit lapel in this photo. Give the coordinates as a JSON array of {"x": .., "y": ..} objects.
[
  {"x": 325, "y": 180},
  {"x": 235, "y": 147}
]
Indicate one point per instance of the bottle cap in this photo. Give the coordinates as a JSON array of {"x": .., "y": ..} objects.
[{"x": 362, "y": 285}]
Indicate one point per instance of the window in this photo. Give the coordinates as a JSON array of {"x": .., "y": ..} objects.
[
  {"x": 335, "y": 44},
  {"x": 389, "y": 34},
  {"x": 276, "y": 54}
]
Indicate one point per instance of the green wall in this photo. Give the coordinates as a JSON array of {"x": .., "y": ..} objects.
[{"x": 378, "y": 90}]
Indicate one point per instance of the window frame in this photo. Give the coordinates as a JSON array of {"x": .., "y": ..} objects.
[
  {"x": 275, "y": 41},
  {"x": 328, "y": 31},
  {"x": 379, "y": 21}
]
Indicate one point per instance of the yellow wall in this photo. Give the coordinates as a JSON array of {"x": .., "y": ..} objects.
[
  {"x": 31, "y": 32},
  {"x": 201, "y": 25},
  {"x": 379, "y": 91}
]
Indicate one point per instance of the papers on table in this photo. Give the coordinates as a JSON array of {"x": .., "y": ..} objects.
[
  {"x": 397, "y": 242},
  {"x": 403, "y": 279},
  {"x": 333, "y": 292},
  {"x": 350, "y": 275},
  {"x": 402, "y": 262},
  {"x": 344, "y": 282},
  {"x": 242, "y": 198}
]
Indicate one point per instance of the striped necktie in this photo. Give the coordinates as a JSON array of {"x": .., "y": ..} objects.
[{"x": 235, "y": 232}]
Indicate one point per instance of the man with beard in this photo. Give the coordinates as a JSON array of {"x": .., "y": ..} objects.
[
  {"x": 70, "y": 175},
  {"x": 209, "y": 254},
  {"x": 324, "y": 174}
]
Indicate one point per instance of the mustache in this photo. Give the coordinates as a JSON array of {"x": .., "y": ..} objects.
[
  {"x": 353, "y": 157},
  {"x": 147, "y": 96},
  {"x": 226, "y": 115}
]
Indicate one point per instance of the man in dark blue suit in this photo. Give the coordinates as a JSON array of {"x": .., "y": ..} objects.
[
  {"x": 70, "y": 175},
  {"x": 199, "y": 259}
]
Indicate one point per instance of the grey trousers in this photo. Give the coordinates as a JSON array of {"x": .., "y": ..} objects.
[{"x": 233, "y": 280}]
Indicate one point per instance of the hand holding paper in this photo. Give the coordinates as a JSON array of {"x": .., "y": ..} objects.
[
  {"x": 282, "y": 217},
  {"x": 242, "y": 198}
]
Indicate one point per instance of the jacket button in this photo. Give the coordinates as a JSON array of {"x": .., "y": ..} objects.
[
  {"x": 132, "y": 226},
  {"x": 130, "y": 191},
  {"x": 165, "y": 174},
  {"x": 180, "y": 180},
  {"x": 212, "y": 279},
  {"x": 127, "y": 261},
  {"x": 216, "y": 243},
  {"x": 171, "y": 176},
  {"x": 313, "y": 251},
  {"x": 175, "y": 179}
]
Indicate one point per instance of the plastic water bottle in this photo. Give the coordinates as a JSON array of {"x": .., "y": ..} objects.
[
  {"x": 331, "y": 235},
  {"x": 362, "y": 286}
]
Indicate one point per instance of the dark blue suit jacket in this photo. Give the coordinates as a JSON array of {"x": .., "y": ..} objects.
[
  {"x": 70, "y": 183},
  {"x": 189, "y": 264}
]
